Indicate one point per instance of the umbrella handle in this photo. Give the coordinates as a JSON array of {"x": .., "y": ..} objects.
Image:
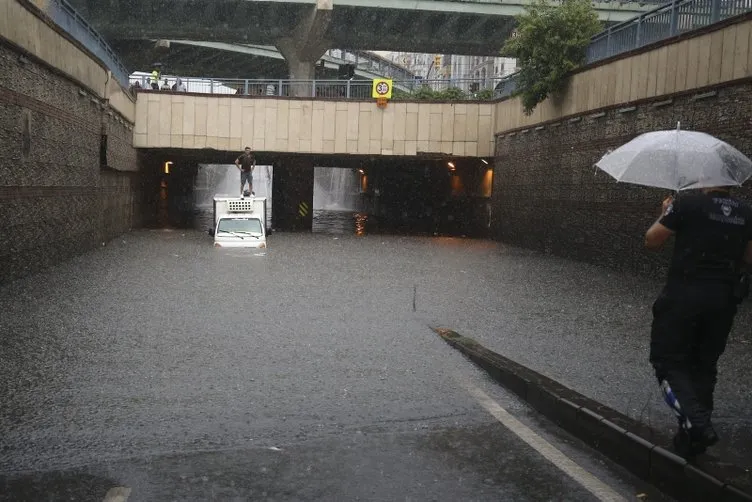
[{"x": 668, "y": 201}]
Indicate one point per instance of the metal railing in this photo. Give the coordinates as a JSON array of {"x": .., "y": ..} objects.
[
  {"x": 72, "y": 22},
  {"x": 453, "y": 89},
  {"x": 666, "y": 21}
]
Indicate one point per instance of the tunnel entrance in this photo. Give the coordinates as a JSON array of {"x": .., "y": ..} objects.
[
  {"x": 167, "y": 191},
  {"x": 178, "y": 187},
  {"x": 335, "y": 194},
  {"x": 224, "y": 179},
  {"x": 404, "y": 196}
]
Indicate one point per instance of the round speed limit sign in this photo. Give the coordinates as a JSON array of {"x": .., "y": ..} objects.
[{"x": 382, "y": 88}]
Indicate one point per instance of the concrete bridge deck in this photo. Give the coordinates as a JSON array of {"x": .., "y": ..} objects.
[
  {"x": 224, "y": 60},
  {"x": 193, "y": 121},
  {"x": 441, "y": 26}
]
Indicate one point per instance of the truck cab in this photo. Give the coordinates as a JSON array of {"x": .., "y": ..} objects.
[{"x": 239, "y": 222}]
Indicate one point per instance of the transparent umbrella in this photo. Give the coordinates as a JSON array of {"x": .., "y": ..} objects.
[{"x": 677, "y": 160}]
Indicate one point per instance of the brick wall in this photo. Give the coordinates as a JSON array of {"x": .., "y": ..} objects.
[
  {"x": 55, "y": 199},
  {"x": 548, "y": 196}
]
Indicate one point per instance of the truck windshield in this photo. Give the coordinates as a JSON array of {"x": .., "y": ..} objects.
[{"x": 240, "y": 226}]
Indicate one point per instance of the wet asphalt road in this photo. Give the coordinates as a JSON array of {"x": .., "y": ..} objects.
[
  {"x": 589, "y": 328},
  {"x": 585, "y": 326},
  {"x": 185, "y": 372}
]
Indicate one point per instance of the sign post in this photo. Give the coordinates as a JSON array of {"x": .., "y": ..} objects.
[{"x": 381, "y": 91}]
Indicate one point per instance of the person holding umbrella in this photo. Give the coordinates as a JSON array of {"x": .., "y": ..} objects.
[{"x": 694, "y": 313}]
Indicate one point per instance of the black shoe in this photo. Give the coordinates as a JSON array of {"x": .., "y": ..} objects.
[
  {"x": 696, "y": 442},
  {"x": 683, "y": 444},
  {"x": 705, "y": 437}
]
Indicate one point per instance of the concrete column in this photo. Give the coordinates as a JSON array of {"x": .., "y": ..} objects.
[
  {"x": 306, "y": 45},
  {"x": 300, "y": 70},
  {"x": 292, "y": 192}
]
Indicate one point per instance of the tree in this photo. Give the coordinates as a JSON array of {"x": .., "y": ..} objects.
[
  {"x": 451, "y": 94},
  {"x": 424, "y": 92},
  {"x": 550, "y": 42},
  {"x": 484, "y": 94}
]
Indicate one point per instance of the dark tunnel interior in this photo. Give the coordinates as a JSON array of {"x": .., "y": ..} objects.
[{"x": 410, "y": 196}]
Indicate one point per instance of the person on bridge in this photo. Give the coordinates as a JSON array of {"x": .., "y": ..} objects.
[
  {"x": 693, "y": 315},
  {"x": 155, "y": 80},
  {"x": 246, "y": 163},
  {"x": 179, "y": 86}
]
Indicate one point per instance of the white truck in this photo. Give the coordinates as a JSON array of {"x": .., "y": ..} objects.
[{"x": 239, "y": 222}]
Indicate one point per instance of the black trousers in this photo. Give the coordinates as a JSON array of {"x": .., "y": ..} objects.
[{"x": 691, "y": 324}]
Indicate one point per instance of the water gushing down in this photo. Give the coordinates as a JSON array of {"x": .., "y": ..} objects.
[
  {"x": 336, "y": 189},
  {"x": 224, "y": 179}
]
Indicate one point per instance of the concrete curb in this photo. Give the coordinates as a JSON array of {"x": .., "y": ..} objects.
[{"x": 622, "y": 439}]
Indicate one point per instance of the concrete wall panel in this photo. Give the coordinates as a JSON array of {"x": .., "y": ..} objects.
[
  {"x": 311, "y": 126},
  {"x": 55, "y": 198},
  {"x": 709, "y": 58}
]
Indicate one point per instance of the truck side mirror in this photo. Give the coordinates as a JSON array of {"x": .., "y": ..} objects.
[{"x": 211, "y": 232}]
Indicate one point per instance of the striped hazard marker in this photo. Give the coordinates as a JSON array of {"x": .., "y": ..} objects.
[{"x": 303, "y": 209}]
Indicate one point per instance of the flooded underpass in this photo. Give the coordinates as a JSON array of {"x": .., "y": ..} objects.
[
  {"x": 164, "y": 365},
  {"x": 306, "y": 371},
  {"x": 309, "y": 370}
]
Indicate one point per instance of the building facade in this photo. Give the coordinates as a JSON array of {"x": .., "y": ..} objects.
[{"x": 469, "y": 73}]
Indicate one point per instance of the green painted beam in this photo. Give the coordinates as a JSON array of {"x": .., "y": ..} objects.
[
  {"x": 218, "y": 59},
  {"x": 607, "y": 11}
]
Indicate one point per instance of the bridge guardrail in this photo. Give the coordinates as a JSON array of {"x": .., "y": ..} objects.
[
  {"x": 666, "y": 21},
  {"x": 75, "y": 25},
  {"x": 456, "y": 89}
]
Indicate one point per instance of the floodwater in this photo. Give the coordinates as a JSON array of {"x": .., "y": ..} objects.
[
  {"x": 184, "y": 372},
  {"x": 343, "y": 222},
  {"x": 324, "y": 222},
  {"x": 357, "y": 223}
]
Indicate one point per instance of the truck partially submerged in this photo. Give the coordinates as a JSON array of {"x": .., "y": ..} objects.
[{"x": 239, "y": 222}]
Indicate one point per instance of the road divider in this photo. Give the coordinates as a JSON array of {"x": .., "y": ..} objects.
[{"x": 624, "y": 440}]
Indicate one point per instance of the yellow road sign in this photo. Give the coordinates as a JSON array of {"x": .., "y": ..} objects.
[
  {"x": 382, "y": 88},
  {"x": 303, "y": 209}
]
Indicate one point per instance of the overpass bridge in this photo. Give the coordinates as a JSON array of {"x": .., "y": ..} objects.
[
  {"x": 278, "y": 125},
  {"x": 477, "y": 27},
  {"x": 303, "y": 30},
  {"x": 224, "y": 60}
]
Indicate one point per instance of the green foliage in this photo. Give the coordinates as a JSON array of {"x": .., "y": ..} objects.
[
  {"x": 550, "y": 42},
  {"x": 451, "y": 94},
  {"x": 484, "y": 94},
  {"x": 400, "y": 94},
  {"x": 425, "y": 93}
]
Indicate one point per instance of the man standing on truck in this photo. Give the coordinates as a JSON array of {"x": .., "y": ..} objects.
[{"x": 246, "y": 163}]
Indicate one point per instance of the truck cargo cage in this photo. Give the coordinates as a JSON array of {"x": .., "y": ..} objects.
[{"x": 240, "y": 206}]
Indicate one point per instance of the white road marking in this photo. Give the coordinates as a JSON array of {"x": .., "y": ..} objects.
[
  {"x": 546, "y": 449},
  {"x": 117, "y": 494}
]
